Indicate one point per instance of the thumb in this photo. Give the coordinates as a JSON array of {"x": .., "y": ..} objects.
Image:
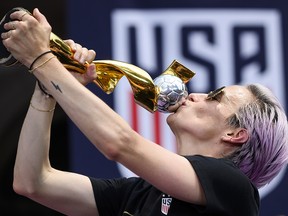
[{"x": 91, "y": 72}]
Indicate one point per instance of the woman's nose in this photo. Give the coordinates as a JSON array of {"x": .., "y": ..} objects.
[{"x": 197, "y": 96}]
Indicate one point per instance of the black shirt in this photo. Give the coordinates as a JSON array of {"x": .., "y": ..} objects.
[{"x": 227, "y": 190}]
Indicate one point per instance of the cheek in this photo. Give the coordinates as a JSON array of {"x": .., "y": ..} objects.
[
  {"x": 202, "y": 113},
  {"x": 207, "y": 122},
  {"x": 206, "y": 129}
]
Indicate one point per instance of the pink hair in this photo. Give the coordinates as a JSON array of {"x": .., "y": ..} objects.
[{"x": 263, "y": 156}]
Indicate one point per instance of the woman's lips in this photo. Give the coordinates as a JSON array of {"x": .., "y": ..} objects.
[{"x": 175, "y": 107}]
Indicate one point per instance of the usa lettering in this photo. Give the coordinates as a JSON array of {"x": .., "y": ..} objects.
[
  {"x": 240, "y": 45},
  {"x": 167, "y": 201}
]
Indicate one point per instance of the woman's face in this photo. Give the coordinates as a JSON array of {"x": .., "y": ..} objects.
[{"x": 203, "y": 115}]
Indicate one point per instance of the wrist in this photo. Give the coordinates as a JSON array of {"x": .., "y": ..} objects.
[
  {"x": 35, "y": 107},
  {"x": 41, "y": 102},
  {"x": 40, "y": 60},
  {"x": 43, "y": 89}
]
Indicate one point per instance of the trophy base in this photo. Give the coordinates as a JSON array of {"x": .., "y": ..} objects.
[{"x": 6, "y": 59}]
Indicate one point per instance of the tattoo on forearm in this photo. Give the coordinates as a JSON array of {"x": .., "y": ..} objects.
[{"x": 57, "y": 87}]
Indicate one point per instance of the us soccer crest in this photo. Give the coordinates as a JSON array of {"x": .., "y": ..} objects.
[{"x": 165, "y": 204}]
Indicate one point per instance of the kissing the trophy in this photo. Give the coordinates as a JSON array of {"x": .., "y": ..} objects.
[{"x": 162, "y": 93}]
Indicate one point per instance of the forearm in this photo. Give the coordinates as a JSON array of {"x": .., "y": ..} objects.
[
  {"x": 103, "y": 127},
  {"x": 33, "y": 148}
]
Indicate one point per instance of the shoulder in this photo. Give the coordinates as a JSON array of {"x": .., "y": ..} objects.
[
  {"x": 223, "y": 182},
  {"x": 221, "y": 170},
  {"x": 213, "y": 165}
]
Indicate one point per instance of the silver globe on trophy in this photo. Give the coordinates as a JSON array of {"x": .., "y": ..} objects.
[{"x": 159, "y": 94}]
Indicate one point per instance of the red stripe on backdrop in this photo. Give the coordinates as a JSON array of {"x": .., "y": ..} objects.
[
  {"x": 157, "y": 128},
  {"x": 135, "y": 120},
  {"x": 134, "y": 115}
]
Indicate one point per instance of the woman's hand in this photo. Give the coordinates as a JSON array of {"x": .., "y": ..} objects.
[
  {"x": 27, "y": 36},
  {"x": 84, "y": 56}
]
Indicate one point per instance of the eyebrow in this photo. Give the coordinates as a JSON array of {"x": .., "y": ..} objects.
[{"x": 214, "y": 93}]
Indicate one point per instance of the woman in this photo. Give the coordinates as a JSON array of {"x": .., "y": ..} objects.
[{"x": 229, "y": 142}]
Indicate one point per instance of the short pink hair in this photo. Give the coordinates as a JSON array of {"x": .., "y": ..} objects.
[{"x": 265, "y": 153}]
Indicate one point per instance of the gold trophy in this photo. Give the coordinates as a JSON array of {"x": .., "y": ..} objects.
[{"x": 170, "y": 87}]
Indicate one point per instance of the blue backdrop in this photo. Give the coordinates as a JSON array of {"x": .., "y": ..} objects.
[{"x": 224, "y": 42}]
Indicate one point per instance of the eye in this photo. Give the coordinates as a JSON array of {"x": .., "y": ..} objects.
[{"x": 216, "y": 94}]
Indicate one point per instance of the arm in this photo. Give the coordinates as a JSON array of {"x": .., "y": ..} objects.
[
  {"x": 33, "y": 175},
  {"x": 105, "y": 129}
]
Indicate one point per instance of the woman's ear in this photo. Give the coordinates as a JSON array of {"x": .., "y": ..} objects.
[{"x": 238, "y": 137}]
